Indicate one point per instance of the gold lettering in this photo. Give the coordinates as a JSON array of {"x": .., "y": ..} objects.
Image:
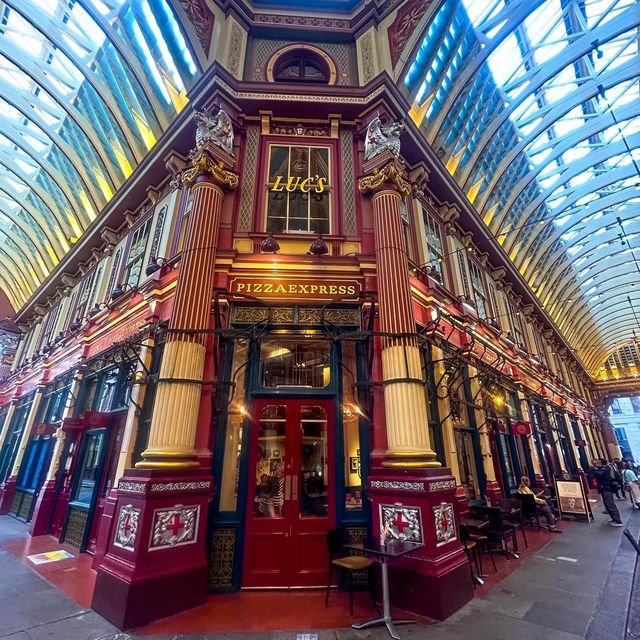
[
  {"x": 280, "y": 289},
  {"x": 351, "y": 290},
  {"x": 305, "y": 185},
  {"x": 293, "y": 288},
  {"x": 303, "y": 288},
  {"x": 314, "y": 288},
  {"x": 240, "y": 286},
  {"x": 257, "y": 287},
  {"x": 320, "y": 185},
  {"x": 333, "y": 289},
  {"x": 323, "y": 289},
  {"x": 291, "y": 186},
  {"x": 268, "y": 288},
  {"x": 277, "y": 186},
  {"x": 342, "y": 290}
]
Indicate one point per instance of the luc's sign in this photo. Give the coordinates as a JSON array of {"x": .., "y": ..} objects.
[{"x": 314, "y": 184}]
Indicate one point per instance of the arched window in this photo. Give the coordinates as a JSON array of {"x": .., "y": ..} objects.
[{"x": 301, "y": 65}]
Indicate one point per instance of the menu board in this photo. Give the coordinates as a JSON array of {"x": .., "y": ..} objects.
[{"x": 572, "y": 499}]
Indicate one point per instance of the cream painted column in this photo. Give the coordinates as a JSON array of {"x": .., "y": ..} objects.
[
  {"x": 4, "y": 428},
  {"x": 533, "y": 450},
  {"x": 447, "y": 426},
  {"x": 60, "y": 435},
  {"x": 483, "y": 431},
  {"x": 132, "y": 423},
  {"x": 177, "y": 403},
  {"x": 26, "y": 434},
  {"x": 407, "y": 422}
]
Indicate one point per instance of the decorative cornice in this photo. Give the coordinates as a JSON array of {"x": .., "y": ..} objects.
[{"x": 392, "y": 174}]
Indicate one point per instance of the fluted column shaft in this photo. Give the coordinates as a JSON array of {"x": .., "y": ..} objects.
[
  {"x": 177, "y": 403},
  {"x": 405, "y": 399}
]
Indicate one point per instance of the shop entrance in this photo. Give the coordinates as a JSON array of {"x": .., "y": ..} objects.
[{"x": 291, "y": 493}]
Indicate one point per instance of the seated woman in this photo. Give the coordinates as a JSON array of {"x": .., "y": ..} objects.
[{"x": 541, "y": 504}]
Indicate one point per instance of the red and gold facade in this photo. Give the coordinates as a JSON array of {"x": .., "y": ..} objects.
[{"x": 283, "y": 338}]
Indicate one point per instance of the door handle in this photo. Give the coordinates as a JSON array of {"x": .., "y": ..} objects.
[
  {"x": 294, "y": 487},
  {"x": 287, "y": 487}
]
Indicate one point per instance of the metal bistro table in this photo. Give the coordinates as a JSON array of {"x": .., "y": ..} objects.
[{"x": 382, "y": 552}]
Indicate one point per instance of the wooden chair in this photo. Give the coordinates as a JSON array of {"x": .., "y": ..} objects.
[
  {"x": 347, "y": 564},
  {"x": 471, "y": 551}
]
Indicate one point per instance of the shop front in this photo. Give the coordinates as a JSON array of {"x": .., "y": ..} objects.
[
  {"x": 92, "y": 444},
  {"x": 292, "y": 439},
  {"x": 39, "y": 448}
]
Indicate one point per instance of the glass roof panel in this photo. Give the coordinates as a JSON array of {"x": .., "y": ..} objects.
[
  {"x": 566, "y": 77},
  {"x": 86, "y": 88}
]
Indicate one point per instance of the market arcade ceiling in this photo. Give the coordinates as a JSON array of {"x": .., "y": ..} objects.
[{"x": 532, "y": 104}]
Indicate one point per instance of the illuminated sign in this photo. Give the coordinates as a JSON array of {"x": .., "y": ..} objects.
[
  {"x": 315, "y": 184},
  {"x": 296, "y": 288}
]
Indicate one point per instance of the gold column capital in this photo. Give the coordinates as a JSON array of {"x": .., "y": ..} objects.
[
  {"x": 392, "y": 175},
  {"x": 205, "y": 162}
]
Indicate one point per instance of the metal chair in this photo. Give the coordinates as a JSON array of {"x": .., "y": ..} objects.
[
  {"x": 512, "y": 514},
  {"x": 347, "y": 564},
  {"x": 529, "y": 508},
  {"x": 499, "y": 532}
]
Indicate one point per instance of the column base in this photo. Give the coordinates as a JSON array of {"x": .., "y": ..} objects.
[
  {"x": 6, "y": 495},
  {"x": 105, "y": 528},
  {"x": 155, "y": 563},
  {"x": 43, "y": 511},
  {"x": 421, "y": 505},
  {"x": 494, "y": 493}
]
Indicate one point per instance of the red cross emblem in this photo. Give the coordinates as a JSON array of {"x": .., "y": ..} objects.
[
  {"x": 399, "y": 522},
  {"x": 444, "y": 520},
  {"x": 127, "y": 526},
  {"x": 176, "y": 526}
]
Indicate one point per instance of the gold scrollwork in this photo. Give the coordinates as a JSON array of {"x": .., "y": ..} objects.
[
  {"x": 392, "y": 173},
  {"x": 203, "y": 164}
]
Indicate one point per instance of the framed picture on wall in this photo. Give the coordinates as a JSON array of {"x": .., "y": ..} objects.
[{"x": 354, "y": 464}]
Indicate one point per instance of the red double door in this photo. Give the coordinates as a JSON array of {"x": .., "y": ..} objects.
[{"x": 291, "y": 493}]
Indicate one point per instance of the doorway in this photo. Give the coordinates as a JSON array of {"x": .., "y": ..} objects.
[{"x": 291, "y": 493}]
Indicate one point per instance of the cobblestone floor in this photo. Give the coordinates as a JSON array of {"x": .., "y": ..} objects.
[{"x": 577, "y": 586}]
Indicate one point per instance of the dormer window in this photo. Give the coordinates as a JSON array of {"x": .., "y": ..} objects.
[
  {"x": 301, "y": 66},
  {"x": 302, "y": 63}
]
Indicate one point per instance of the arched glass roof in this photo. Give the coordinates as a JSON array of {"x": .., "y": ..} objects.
[
  {"x": 534, "y": 105},
  {"x": 86, "y": 88}
]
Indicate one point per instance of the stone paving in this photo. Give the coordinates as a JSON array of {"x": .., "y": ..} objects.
[{"x": 578, "y": 586}]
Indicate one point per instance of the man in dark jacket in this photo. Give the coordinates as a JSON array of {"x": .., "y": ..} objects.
[{"x": 606, "y": 479}]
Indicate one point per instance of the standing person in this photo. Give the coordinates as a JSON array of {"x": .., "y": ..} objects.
[
  {"x": 617, "y": 469},
  {"x": 606, "y": 490},
  {"x": 631, "y": 480}
]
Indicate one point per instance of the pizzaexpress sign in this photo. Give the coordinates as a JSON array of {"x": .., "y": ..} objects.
[{"x": 296, "y": 288}]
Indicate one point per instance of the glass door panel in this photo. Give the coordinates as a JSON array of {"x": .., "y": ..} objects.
[{"x": 313, "y": 462}]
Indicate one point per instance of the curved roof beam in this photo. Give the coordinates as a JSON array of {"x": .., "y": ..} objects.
[
  {"x": 619, "y": 331},
  {"x": 20, "y": 100},
  {"x": 559, "y": 145},
  {"x": 620, "y": 306},
  {"x": 36, "y": 216},
  {"x": 56, "y": 37},
  {"x": 131, "y": 61},
  {"x": 581, "y": 304},
  {"x": 51, "y": 138},
  {"x": 37, "y": 248},
  {"x": 9, "y": 285},
  {"x": 513, "y": 14},
  {"x": 593, "y": 207},
  {"x": 7, "y": 165},
  {"x": 14, "y": 268},
  {"x": 533, "y": 80},
  {"x": 598, "y": 183},
  {"x": 55, "y": 175}
]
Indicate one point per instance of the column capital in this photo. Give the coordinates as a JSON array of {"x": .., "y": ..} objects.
[
  {"x": 392, "y": 175},
  {"x": 207, "y": 161}
]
